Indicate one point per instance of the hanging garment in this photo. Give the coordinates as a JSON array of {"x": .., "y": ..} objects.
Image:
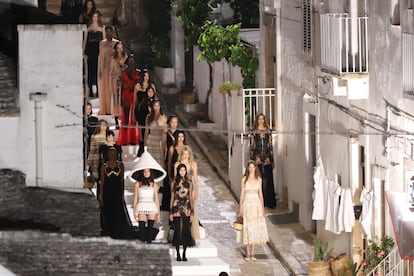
[
  {"x": 332, "y": 207},
  {"x": 346, "y": 215},
  {"x": 367, "y": 199},
  {"x": 320, "y": 194}
]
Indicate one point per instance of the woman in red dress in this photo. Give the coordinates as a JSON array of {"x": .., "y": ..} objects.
[{"x": 128, "y": 131}]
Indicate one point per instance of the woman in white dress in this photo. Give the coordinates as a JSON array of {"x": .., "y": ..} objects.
[
  {"x": 252, "y": 211},
  {"x": 146, "y": 206}
]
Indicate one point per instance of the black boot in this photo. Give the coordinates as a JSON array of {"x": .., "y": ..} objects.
[
  {"x": 150, "y": 231},
  {"x": 142, "y": 230},
  {"x": 184, "y": 249},
  {"x": 177, "y": 248},
  {"x": 140, "y": 149}
]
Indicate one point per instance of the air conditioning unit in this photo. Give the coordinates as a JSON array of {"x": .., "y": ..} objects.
[{"x": 339, "y": 87}]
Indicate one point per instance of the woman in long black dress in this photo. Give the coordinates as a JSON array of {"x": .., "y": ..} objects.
[
  {"x": 111, "y": 197},
  {"x": 182, "y": 211},
  {"x": 261, "y": 151},
  {"x": 93, "y": 35},
  {"x": 141, "y": 112},
  {"x": 168, "y": 140}
]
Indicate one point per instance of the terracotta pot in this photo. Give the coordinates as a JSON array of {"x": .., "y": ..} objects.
[{"x": 320, "y": 268}]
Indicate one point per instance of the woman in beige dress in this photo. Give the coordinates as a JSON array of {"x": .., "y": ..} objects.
[
  {"x": 186, "y": 157},
  {"x": 117, "y": 67},
  {"x": 252, "y": 211},
  {"x": 155, "y": 126},
  {"x": 106, "y": 50}
]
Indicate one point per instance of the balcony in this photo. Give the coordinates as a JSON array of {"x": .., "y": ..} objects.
[{"x": 344, "y": 44}]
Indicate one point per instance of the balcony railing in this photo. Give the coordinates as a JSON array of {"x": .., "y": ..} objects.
[
  {"x": 393, "y": 265},
  {"x": 344, "y": 44},
  {"x": 259, "y": 100}
]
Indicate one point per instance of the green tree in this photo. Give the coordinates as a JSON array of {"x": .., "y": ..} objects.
[
  {"x": 246, "y": 12},
  {"x": 159, "y": 26},
  {"x": 216, "y": 42},
  {"x": 193, "y": 14}
]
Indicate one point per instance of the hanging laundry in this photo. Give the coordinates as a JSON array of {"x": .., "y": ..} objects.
[
  {"x": 332, "y": 207},
  {"x": 320, "y": 191},
  {"x": 367, "y": 199},
  {"x": 320, "y": 194},
  {"x": 346, "y": 214}
]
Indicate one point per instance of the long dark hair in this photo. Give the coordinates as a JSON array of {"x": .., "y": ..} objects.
[
  {"x": 84, "y": 7},
  {"x": 256, "y": 122},
  {"x": 178, "y": 177},
  {"x": 151, "y": 115},
  {"x": 178, "y": 132},
  {"x": 256, "y": 173}
]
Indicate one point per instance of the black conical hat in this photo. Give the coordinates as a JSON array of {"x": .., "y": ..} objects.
[{"x": 146, "y": 161}]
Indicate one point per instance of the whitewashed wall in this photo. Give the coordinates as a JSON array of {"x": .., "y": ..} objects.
[{"x": 50, "y": 61}]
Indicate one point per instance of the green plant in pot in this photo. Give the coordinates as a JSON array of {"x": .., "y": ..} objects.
[
  {"x": 228, "y": 87},
  {"x": 320, "y": 264}
]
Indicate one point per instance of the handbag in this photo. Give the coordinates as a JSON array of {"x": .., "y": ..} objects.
[
  {"x": 238, "y": 224},
  {"x": 170, "y": 234},
  {"x": 89, "y": 182}
]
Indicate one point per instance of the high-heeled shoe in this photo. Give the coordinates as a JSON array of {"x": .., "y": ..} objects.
[
  {"x": 184, "y": 259},
  {"x": 178, "y": 258}
]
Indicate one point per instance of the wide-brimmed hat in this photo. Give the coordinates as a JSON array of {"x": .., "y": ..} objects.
[{"x": 146, "y": 161}]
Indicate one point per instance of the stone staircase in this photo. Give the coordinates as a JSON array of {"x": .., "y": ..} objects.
[
  {"x": 106, "y": 7},
  {"x": 203, "y": 258}
]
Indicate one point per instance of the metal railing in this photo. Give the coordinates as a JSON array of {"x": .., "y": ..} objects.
[
  {"x": 391, "y": 265},
  {"x": 259, "y": 100},
  {"x": 344, "y": 43},
  {"x": 408, "y": 62}
]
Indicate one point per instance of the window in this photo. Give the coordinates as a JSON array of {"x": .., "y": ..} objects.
[
  {"x": 408, "y": 63},
  {"x": 307, "y": 26}
]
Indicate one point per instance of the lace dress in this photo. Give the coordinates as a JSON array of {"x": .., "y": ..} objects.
[
  {"x": 254, "y": 222},
  {"x": 146, "y": 204}
]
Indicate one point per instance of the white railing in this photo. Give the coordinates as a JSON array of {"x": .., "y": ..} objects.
[
  {"x": 344, "y": 43},
  {"x": 391, "y": 265},
  {"x": 408, "y": 62},
  {"x": 258, "y": 100}
]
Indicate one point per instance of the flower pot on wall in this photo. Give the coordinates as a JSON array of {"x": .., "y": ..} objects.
[{"x": 165, "y": 75}]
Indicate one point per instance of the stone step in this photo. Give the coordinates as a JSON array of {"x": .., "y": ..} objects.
[
  {"x": 5, "y": 272},
  {"x": 200, "y": 266},
  {"x": 203, "y": 249}
]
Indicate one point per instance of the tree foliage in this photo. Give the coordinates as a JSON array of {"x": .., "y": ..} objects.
[
  {"x": 246, "y": 12},
  {"x": 193, "y": 14}
]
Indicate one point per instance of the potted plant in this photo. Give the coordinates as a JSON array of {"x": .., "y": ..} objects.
[
  {"x": 320, "y": 264},
  {"x": 376, "y": 251},
  {"x": 354, "y": 268},
  {"x": 229, "y": 87},
  {"x": 340, "y": 265}
]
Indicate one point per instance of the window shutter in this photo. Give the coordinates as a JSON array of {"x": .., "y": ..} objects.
[{"x": 307, "y": 26}]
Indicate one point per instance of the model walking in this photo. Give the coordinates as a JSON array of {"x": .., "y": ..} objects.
[
  {"x": 181, "y": 211},
  {"x": 252, "y": 211},
  {"x": 261, "y": 151}
]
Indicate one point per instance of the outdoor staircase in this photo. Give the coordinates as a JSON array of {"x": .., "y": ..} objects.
[
  {"x": 106, "y": 8},
  {"x": 203, "y": 258}
]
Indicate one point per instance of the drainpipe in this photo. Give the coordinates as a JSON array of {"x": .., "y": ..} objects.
[
  {"x": 280, "y": 147},
  {"x": 38, "y": 97}
]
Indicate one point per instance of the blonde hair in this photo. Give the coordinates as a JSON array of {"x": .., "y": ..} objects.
[{"x": 190, "y": 155}]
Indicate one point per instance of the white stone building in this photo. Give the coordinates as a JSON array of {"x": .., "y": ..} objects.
[{"x": 343, "y": 72}]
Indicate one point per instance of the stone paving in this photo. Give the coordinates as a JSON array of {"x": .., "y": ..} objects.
[{"x": 291, "y": 243}]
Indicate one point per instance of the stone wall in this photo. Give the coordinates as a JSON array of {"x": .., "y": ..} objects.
[
  {"x": 24, "y": 207},
  {"x": 38, "y": 253}
]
